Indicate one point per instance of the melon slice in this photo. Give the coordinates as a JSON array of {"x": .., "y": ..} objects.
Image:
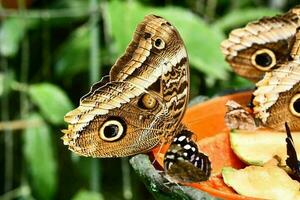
[
  {"x": 268, "y": 182},
  {"x": 259, "y": 147}
]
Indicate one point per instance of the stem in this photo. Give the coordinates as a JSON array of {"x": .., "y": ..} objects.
[
  {"x": 8, "y": 137},
  {"x": 94, "y": 42},
  {"x": 24, "y": 68},
  {"x": 46, "y": 49},
  {"x": 95, "y": 175},
  {"x": 211, "y": 9},
  {"x": 23, "y": 191},
  {"x": 127, "y": 187},
  {"x": 94, "y": 73},
  {"x": 19, "y": 124},
  {"x": 199, "y": 7},
  {"x": 107, "y": 30},
  {"x": 24, "y": 104},
  {"x": 47, "y": 14}
]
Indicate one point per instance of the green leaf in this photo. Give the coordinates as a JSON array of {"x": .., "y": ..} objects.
[
  {"x": 72, "y": 57},
  {"x": 51, "y": 100},
  {"x": 84, "y": 194},
  {"x": 70, "y": 4},
  {"x": 12, "y": 30},
  {"x": 124, "y": 17},
  {"x": 6, "y": 80},
  {"x": 237, "y": 18},
  {"x": 202, "y": 41},
  {"x": 9, "y": 37},
  {"x": 40, "y": 161}
]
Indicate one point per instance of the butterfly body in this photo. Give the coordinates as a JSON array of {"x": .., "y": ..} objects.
[{"x": 140, "y": 103}]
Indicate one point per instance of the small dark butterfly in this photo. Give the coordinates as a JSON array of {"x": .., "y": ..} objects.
[
  {"x": 183, "y": 162},
  {"x": 292, "y": 161}
]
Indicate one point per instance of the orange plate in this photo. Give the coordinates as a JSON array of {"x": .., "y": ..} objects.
[{"x": 206, "y": 120}]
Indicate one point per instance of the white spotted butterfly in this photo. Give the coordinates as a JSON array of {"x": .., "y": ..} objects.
[{"x": 183, "y": 162}]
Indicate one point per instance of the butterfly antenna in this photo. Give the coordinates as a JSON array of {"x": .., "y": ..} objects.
[
  {"x": 171, "y": 183},
  {"x": 292, "y": 159},
  {"x": 288, "y": 131}
]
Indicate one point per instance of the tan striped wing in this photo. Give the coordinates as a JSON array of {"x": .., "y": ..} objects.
[
  {"x": 277, "y": 97},
  {"x": 259, "y": 46},
  {"x": 140, "y": 103}
]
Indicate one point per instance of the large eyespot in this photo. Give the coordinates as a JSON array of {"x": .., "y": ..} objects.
[
  {"x": 147, "y": 102},
  {"x": 159, "y": 43},
  {"x": 111, "y": 130},
  {"x": 263, "y": 59},
  {"x": 295, "y": 105}
]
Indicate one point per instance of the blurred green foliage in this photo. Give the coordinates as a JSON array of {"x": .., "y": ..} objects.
[
  {"x": 45, "y": 60},
  {"x": 39, "y": 156},
  {"x": 51, "y": 100}
]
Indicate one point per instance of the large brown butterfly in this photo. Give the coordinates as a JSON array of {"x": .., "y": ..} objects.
[
  {"x": 259, "y": 46},
  {"x": 277, "y": 97},
  {"x": 142, "y": 101}
]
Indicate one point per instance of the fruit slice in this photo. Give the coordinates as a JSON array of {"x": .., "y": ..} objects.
[
  {"x": 268, "y": 182},
  {"x": 259, "y": 147}
]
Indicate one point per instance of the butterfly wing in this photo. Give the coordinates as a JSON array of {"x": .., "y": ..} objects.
[
  {"x": 183, "y": 162},
  {"x": 114, "y": 121},
  {"x": 260, "y": 45},
  {"x": 157, "y": 59},
  {"x": 277, "y": 97},
  {"x": 238, "y": 117}
]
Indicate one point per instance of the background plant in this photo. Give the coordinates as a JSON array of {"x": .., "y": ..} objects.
[{"x": 50, "y": 54}]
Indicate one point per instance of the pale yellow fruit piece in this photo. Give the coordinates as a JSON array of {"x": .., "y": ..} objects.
[
  {"x": 259, "y": 147},
  {"x": 268, "y": 182}
]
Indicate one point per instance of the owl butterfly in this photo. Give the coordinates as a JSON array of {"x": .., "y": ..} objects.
[
  {"x": 277, "y": 97},
  {"x": 140, "y": 103},
  {"x": 292, "y": 160},
  {"x": 259, "y": 46},
  {"x": 183, "y": 162}
]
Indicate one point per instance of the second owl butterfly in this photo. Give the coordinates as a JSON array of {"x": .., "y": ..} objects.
[
  {"x": 292, "y": 161},
  {"x": 259, "y": 46},
  {"x": 277, "y": 97},
  {"x": 183, "y": 162}
]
